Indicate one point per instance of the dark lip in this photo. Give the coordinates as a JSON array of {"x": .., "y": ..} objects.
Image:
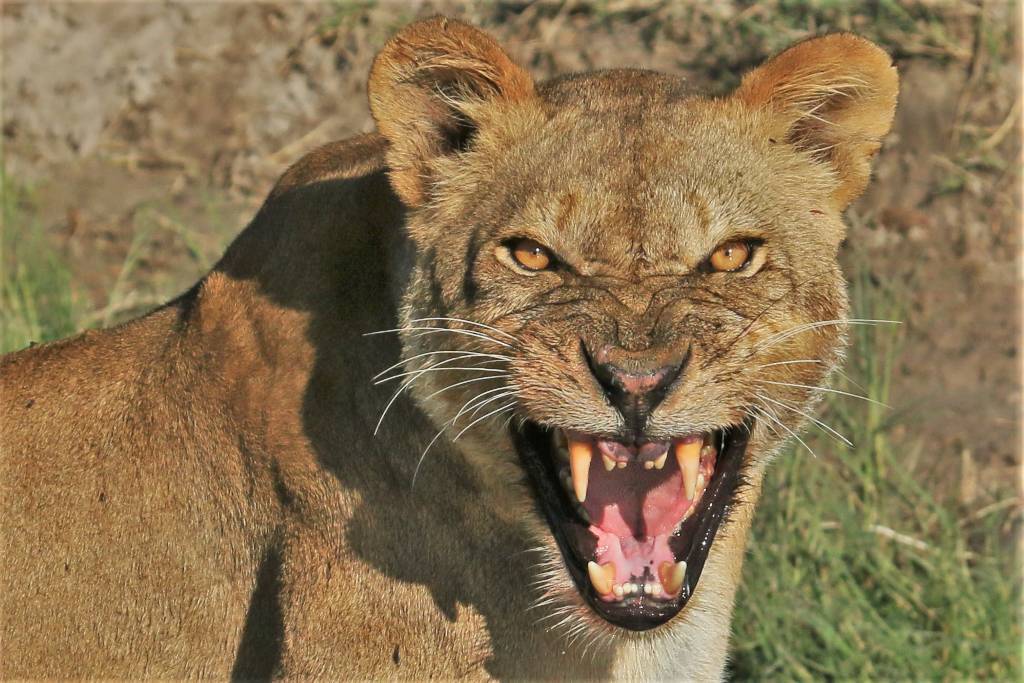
[{"x": 691, "y": 542}]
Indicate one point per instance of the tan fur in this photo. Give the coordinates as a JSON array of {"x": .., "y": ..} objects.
[{"x": 199, "y": 492}]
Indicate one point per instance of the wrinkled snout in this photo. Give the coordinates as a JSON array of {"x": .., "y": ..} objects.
[{"x": 634, "y": 382}]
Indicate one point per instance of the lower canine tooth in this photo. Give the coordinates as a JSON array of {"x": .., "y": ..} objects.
[
  {"x": 601, "y": 577},
  {"x": 688, "y": 456},
  {"x": 660, "y": 462},
  {"x": 672, "y": 575},
  {"x": 579, "y": 463},
  {"x": 609, "y": 464}
]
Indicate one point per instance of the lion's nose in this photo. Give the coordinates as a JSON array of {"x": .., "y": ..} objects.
[{"x": 635, "y": 382}]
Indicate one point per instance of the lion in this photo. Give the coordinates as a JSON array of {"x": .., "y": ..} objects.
[{"x": 487, "y": 393}]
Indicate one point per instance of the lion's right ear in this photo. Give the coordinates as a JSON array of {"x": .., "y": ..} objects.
[
  {"x": 425, "y": 87},
  {"x": 833, "y": 96}
]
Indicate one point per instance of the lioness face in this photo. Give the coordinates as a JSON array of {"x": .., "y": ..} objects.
[{"x": 637, "y": 286}]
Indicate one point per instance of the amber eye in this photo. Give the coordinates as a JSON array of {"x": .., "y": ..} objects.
[
  {"x": 531, "y": 255},
  {"x": 730, "y": 256}
]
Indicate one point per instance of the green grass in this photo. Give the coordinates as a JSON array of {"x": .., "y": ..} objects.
[
  {"x": 39, "y": 300},
  {"x": 857, "y": 569},
  {"x": 36, "y": 300}
]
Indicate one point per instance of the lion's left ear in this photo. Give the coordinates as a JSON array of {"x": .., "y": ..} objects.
[
  {"x": 834, "y": 96},
  {"x": 426, "y": 87}
]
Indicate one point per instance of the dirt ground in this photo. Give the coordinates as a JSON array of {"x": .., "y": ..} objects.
[{"x": 149, "y": 132}]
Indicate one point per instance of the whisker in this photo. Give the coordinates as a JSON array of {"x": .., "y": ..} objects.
[
  {"x": 836, "y": 370},
  {"x": 779, "y": 337},
  {"x": 559, "y": 612},
  {"x": 813, "y": 419},
  {"x": 791, "y": 432},
  {"x": 432, "y": 330},
  {"x": 444, "y": 428},
  {"x": 825, "y": 389},
  {"x": 477, "y": 409},
  {"x": 753, "y": 321},
  {"x": 423, "y": 455},
  {"x": 465, "y": 354},
  {"x": 849, "y": 379},
  {"x": 391, "y": 402},
  {"x": 561, "y": 623},
  {"x": 415, "y": 375},
  {"x": 458, "y": 384},
  {"x": 476, "y": 403},
  {"x": 468, "y": 322},
  {"x": 441, "y": 368},
  {"x": 788, "y": 362},
  {"x": 507, "y": 406}
]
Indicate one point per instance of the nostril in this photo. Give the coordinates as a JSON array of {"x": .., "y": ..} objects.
[{"x": 604, "y": 373}]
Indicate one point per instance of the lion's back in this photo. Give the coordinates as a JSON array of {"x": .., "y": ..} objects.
[{"x": 137, "y": 508}]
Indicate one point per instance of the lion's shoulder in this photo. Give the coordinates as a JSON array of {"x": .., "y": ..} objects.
[{"x": 338, "y": 160}]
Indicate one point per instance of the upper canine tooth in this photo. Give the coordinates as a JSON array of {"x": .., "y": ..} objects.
[
  {"x": 602, "y": 577},
  {"x": 688, "y": 456},
  {"x": 609, "y": 463},
  {"x": 579, "y": 462},
  {"x": 672, "y": 575}
]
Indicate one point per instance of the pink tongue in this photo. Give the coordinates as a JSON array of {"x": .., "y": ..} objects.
[
  {"x": 636, "y": 502},
  {"x": 633, "y": 510}
]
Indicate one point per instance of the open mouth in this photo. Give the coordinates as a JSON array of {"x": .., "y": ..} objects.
[{"x": 634, "y": 522}]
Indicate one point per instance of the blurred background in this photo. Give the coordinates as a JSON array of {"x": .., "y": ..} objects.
[{"x": 140, "y": 137}]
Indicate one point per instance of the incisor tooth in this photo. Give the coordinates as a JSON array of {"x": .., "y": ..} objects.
[
  {"x": 649, "y": 464},
  {"x": 660, "y": 462},
  {"x": 579, "y": 463},
  {"x": 621, "y": 464},
  {"x": 601, "y": 577},
  {"x": 672, "y": 575},
  {"x": 609, "y": 464},
  {"x": 688, "y": 456}
]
